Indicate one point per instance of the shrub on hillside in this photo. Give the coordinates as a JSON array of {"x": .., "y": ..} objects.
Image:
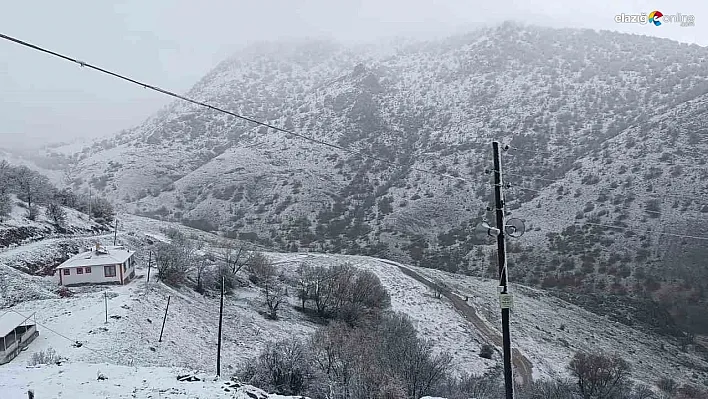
[
  {"x": 487, "y": 351},
  {"x": 174, "y": 261},
  {"x": 101, "y": 210},
  {"x": 599, "y": 375},
  {"x": 284, "y": 367},
  {"x": 56, "y": 213},
  {"x": 342, "y": 292},
  {"x": 382, "y": 358}
]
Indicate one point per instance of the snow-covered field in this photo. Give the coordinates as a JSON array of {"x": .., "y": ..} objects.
[
  {"x": 126, "y": 347},
  {"x": 80, "y": 381}
]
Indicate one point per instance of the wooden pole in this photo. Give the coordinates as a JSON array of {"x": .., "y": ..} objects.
[
  {"x": 115, "y": 233},
  {"x": 105, "y": 300},
  {"x": 221, "y": 318},
  {"x": 164, "y": 319},
  {"x": 149, "y": 264}
]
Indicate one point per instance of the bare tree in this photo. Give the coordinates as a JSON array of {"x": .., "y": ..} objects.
[
  {"x": 31, "y": 185},
  {"x": 6, "y": 175},
  {"x": 274, "y": 295},
  {"x": 5, "y": 206},
  {"x": 67, "y": 198},
  {"x": 283, "y": 367},
  {"x": 305, "y": 284},
  {"x": 364, "y": 295},
  {"x": 260, "y": 268},
  {"x": 232, "y": 257},
  {"x": 56, "y": 213},
  {"x": 599, "y": 376},
  {"x": 341, "y": 291},
  {"x": 173, "y": 262},
  {"x": 202, "y": 265}
]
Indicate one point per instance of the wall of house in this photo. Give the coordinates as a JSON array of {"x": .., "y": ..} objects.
[
  {"x": 97, "y": 274},
  {"x": 129, "y": 268},
  {"x": 95, "y": 277}
]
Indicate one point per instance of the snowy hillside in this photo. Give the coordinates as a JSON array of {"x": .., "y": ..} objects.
[
  {"x": 18, "y": 228},
  {"x": 607, "y": 137},
  {"x": 556, "y": 95},
  {"x": 549, "y": 331},
  {"x": 126, "y": 348}
]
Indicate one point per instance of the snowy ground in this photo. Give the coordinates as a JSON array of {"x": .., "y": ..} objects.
[
  {"x": 549, "y": 331},
  {"x": 546, "y": 329},
  {"x": 435, "y": 319},
  {"x": 79, "y": 381}
]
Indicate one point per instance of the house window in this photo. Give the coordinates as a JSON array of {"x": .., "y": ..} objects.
[
  {"x": 67, "y": 272},
  {"x": 88, "y": 269},
  {"x": 79, "y": 270},
  {"x": 109, "y": 271}
]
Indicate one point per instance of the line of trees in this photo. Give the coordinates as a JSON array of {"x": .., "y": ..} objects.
[
  {"x": 35, "y": 189},
  {"x": 341, "y": 291},
  {"x": 181, "y": 262},
  {"x": 386, "y": 359}
]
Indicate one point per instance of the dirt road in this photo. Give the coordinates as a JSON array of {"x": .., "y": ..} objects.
[{"x": 523, "y": 368}]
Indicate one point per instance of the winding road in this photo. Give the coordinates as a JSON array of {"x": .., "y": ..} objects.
[{"x": 523, "y": 368}]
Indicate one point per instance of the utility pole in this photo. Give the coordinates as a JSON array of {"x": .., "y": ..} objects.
[
  {"x": 105, "y": 300},
  {"x": 221, "y": 318},
  {"x": 164, "y": 319},
  {"x": 89, "y": 214},
  {"x": 149, "y": 264},
  {"x": 503, "y": 281},
  {"x": 115, "y": 233}
]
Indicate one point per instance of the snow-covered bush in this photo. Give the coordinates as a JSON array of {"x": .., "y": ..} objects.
[{"x": 50, "y": 356}]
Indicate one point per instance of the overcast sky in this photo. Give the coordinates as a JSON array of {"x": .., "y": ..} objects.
[{"x": 172, "y": 43}]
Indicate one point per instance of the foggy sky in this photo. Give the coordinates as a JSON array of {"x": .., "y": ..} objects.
[{"x": 172, "y": 43}]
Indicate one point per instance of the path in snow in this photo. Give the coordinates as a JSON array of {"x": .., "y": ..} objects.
[{"x": 522, "y": 365}]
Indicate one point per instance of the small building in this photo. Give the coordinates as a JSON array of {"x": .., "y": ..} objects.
[
  {"x": 98, "y": 265},
  {"x": 17, "y": 333}
]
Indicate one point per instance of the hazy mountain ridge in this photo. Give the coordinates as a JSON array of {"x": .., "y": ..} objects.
[{"x": 558, "y": 95}]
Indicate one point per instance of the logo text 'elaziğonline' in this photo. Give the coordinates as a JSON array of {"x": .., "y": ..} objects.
[{"x": 656, "y": 18}]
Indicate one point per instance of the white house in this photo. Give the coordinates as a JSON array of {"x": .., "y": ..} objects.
[
  {"x": 16, "y": 332},
  {"x": 99, "y": 265}
]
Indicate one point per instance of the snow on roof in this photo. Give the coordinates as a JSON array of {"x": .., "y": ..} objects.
[
  {"x": 9, "y": 321},
  {"x": 103, "y": 256}
]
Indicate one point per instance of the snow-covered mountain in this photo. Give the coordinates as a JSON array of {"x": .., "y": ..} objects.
[{"x": 583, "y": 112}]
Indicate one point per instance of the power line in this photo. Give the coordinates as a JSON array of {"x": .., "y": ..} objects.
[
  {"x": 529, "y": 151},
  {"x": 628, "y": 229},
  {"x": 73, "y": 341},
  {"x": 533, "y": 177},
  {"x": 690, "y": 197},
  {"x": 215, "y": 108}
]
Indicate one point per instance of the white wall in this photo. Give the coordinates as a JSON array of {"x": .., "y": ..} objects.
[{"x": 96, "y": 276}]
